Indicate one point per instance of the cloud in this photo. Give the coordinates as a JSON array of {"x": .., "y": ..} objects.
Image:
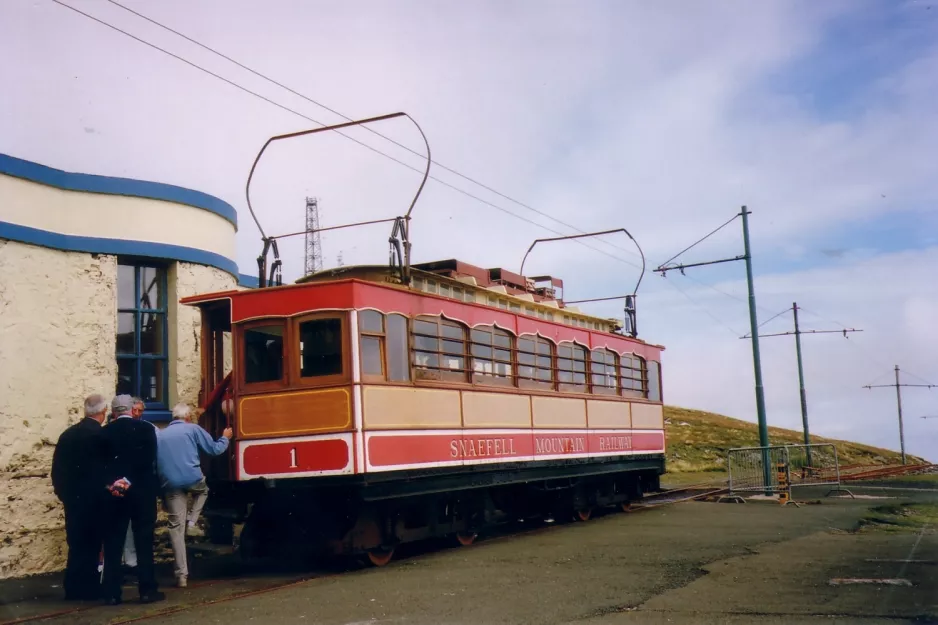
[{"x": 660, "y": 118}]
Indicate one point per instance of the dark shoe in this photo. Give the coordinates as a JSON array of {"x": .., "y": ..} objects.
[
  {"x": 152, "y": 597},
  {"x": 112, "y": 601}
]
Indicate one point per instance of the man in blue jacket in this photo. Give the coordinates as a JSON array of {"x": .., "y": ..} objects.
[{"x": 180, "y": 475}]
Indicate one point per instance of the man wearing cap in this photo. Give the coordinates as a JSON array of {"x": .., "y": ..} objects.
[
  {"x": 130, "y": 553},
  {"x": 133, "y": 447}
]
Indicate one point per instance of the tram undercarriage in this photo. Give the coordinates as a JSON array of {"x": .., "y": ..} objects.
[{"x": 369, "y": 516}]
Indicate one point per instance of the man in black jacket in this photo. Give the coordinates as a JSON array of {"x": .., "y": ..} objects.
[
  {"x": 80, "y": 481},
  {"x": 133, "y": 458}
]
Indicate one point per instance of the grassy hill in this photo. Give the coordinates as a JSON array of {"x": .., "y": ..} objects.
[{"x": 698, "y": 441}]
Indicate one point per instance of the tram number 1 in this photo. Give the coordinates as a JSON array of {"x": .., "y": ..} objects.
[{"x": 293, "y": 464}]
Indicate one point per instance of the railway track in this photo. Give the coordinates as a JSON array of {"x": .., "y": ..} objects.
[{"x": 663, "y": 498}]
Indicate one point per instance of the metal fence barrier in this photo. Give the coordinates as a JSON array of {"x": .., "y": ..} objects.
[{"x": 776, "y": 470}]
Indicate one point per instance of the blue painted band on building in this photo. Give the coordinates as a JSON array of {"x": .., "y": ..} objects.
[
  {"x": 248, "y": 281},
  {"x": 118, "y": 247},
  {"x": 90, "y": 183}
]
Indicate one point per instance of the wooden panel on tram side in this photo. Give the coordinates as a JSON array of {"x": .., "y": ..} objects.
[
  {"x": 647, "y": 416},
  {"x": 295, "y": 412},
  {"x": 495, "y": 410},
  {"x": 558, "y": 412},
  {"x": 608, "y": 414},
  {"x": 401, "y": 408}
]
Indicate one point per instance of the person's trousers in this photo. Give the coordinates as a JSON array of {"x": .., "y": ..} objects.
[
  {"x": 84, "y": 536},
  {"x": 176, "y": 503},
  {"x": 130, "y": 552},
  {"x": 138, "y": 511}
]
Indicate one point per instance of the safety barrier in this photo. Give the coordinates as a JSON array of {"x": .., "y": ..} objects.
[{"x": 776, "y": 470}]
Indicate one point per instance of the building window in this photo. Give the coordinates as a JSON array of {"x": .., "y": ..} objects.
[
  {"x": 535, "y": 363},
  {"x": 439, "y": 349},
  {"x": 571, "y": 368},
  {"x": 632, "y": 375},
  {"x": 491, "y": 356},
  {"x": 142, "y": 363},
  {"x": 603, "y": 371},
  {"x": 263, "y": 353}
]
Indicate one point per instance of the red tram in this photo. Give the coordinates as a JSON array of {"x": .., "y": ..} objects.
[{"x": 369, "y": 411}]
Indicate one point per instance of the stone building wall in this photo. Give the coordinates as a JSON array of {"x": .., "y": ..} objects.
[{"x": 58, "y": 321}]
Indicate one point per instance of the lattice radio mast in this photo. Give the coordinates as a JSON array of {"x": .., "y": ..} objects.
[{"x": 313, "y": 242}]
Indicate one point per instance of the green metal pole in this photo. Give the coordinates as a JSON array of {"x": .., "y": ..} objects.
[
  {"x": 899, "y": 405},
  {"x": 804, "y": 399},
  {"x": 756, "y": 359}
]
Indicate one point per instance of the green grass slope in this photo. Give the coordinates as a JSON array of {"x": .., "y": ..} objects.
[{"x": 698, "y": 441}]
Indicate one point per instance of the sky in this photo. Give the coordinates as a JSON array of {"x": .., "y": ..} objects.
[{"x": 663, "y": 118}]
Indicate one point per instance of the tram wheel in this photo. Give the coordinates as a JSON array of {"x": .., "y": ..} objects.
[
  {"x": 625, "y": 506},
  {"x": 583, "y": 514},
  {"x": 466, "y": 538},
  {"x": 380, "y": 557}
]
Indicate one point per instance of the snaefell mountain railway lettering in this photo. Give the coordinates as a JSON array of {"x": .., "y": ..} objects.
[
  {"x": 481, "y": 447},
  {"x": 615, "y": 443},
  {"x": 559, "y": 445}
]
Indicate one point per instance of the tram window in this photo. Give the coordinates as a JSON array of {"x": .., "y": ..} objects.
[
  {"x": 371, "y": 326},
  {"x": 470, "y": 296},
  {"x": 431, "y": 286},
  {"x": 654, "y": 381},
  {"x": 632, "y": 375},
  {"x": 263, "y": 353},
  {"x": 491, "y": 355},
  {"x": 439, "y": 349},
  {"x": 457, "y": 293},
  {"x": 571, "y": 368},
  {"x": 371, "y": 321},
  {"x": 396, "y": 349},
  {"x": 445, "y": 290},
  {"x": 320, "y": 347},
  {"x": 535, "y": 359},
  {"x": 603, "y": 371}
]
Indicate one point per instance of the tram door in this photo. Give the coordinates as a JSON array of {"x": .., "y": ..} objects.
[{"x": 216, "y": 366}]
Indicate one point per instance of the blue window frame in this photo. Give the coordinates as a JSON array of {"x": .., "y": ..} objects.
[{"x": 141, "y": 344}]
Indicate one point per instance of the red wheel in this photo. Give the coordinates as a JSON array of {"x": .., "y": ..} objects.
[
  {"x": 466, "y": 538},
  {"x": 380, "y": 557},
  {"x": 584, "y": 514},
  {"x": 625, "y": 506}
]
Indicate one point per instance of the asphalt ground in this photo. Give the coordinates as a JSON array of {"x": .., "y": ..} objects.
[{"x": 692, "y": 562}]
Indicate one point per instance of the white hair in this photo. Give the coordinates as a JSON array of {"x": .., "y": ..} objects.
[
  {"x": 95, "y": 404},
  {"x": 136, "y": 400},
  {"x": 181, "y": 411}
]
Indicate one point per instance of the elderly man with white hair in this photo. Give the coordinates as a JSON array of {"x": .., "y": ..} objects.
[
  {"x": 80, "y": 480},
  {"x": 180, "y": 474}
]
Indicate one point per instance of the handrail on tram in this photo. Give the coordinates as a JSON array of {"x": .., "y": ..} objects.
[
  {"x": 630, "y": 313},
  {"x": 400, "y": 235}
]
